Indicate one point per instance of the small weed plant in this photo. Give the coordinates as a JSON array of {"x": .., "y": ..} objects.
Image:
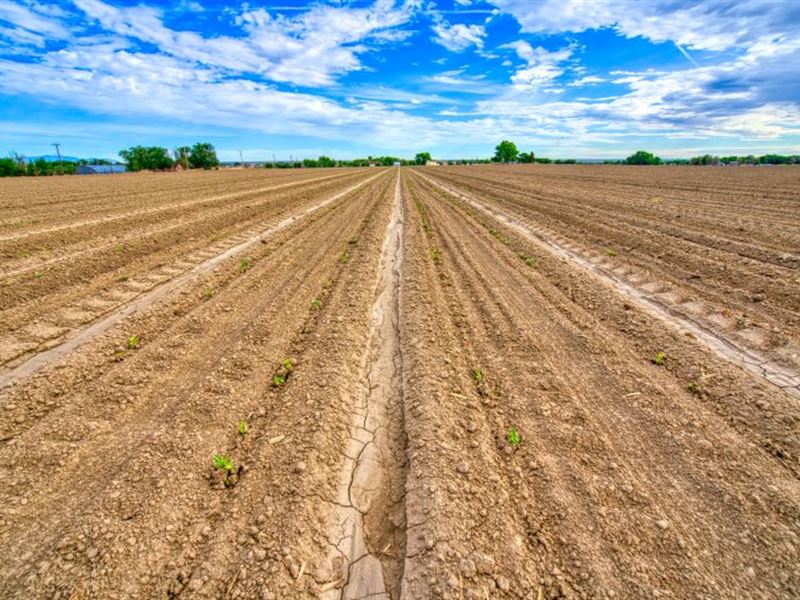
[
  {"x": 693, "y": 388},
  {"x": 611, "y": 252},
  {"x": 119, "y": 248},
  {"x": 477, "y": 375},
  {"x": 246, "y": 264},
  {"x": 133, "y": 342},
  {"x": 38, "y": 274},
  {"x": 122, "y": 278},
  {"x": 513, "y": 437},
  {"x": 278, "y": 380},
  {"x": 316, "y": 304},
  {"x": 659, "y": 358},
  {"x": 242, "y": 428},
  {"x": 353, "y": 240},
  {"x": 208, "y": 293},
  {"x": 345, "y": 257},
  {"x": 436, "y": 255}
]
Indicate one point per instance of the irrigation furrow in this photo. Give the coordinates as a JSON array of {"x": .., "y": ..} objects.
[{"x": 370, "y": 532}]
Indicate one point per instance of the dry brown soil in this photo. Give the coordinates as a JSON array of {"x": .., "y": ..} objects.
[{"x": 381, "y": 333}]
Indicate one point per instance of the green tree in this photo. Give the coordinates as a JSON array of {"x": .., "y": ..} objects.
[
  {"x": 203, "y": 156},
  {"x": 505, "y": 152},
  {"x": 422, "y": 157},
  {"x": 146, "y": 158},
  {"x": 643, "y": 158},
  {"x": 326, "y": 161}
]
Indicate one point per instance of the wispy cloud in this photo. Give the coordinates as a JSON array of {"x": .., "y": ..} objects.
[{"x": 458, "y": 37}]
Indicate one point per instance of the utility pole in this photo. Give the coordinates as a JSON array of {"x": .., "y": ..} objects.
[
  {"x": 241, "y": 160},
  {"x": 58, "y": 151}
]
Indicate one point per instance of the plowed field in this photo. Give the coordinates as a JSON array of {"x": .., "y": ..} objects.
[{"x": 456, "y": 382}]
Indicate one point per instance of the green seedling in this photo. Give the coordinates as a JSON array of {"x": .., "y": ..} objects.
[
  {"x": 513, "y": 437},
  {"x": 353, "y": 240},
  {"x": 245, "y": 265},
  {"x": 133, "y": 342},
  {"x": 659, "y": 359},
  {"x": 242, "y": 428},
  {"x": 283, "y": 372},
  {"x": 693, "y": 388},
  {"x": 477, "y": 375},
  {"x": 611, "y": 252},
  {"x": 208, "y": 293},
  {"x": 327, "y": 285},
  {"x": 120, "y": 247},
  {"x": 122, "y": 278},
  {"x": 316, "y": 304},
  {"x": 119, "y": 354},
  {"x": 436, "y": 255},
  {"x": 38, "y": 274},
  {"x": 23, "y": 254},
  {"x": 223, "y": 463},
  {"x": 345, "y": 257}
]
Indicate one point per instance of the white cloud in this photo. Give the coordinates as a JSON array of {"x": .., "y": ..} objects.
[
  {"x": 542, "y": 67},
  {"x": 308, "y": 49},
  {"x": 459, "y": 37},
  {"x": 717, "y": 25},
  {"x": 31, "y": 23},
  {"x": 587, "y": 80}
]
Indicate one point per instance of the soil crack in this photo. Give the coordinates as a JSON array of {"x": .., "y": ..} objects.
[{"x": 372, "y": 486}]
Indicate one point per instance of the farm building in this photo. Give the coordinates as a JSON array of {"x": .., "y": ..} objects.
[{"x": 100, "y": 169}]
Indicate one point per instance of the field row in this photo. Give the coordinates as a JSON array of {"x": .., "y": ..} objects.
[{"x": 393, "y": 383}]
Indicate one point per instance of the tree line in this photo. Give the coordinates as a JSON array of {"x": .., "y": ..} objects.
[
  {"x": 203, "y": 155},
  {"x": 642, "y": 157}
]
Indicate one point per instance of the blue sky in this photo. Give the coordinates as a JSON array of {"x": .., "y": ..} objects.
[{"x": 580, "y": 78}]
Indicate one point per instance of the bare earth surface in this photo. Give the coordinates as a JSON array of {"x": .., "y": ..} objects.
[{"x": 380, "y": 332}]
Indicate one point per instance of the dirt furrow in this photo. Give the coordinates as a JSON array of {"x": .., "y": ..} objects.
[
  {"x": 98, "y": 205},
  {"x": 612, "y": 482},
  {"x": 370, "y": 520},
  {"x": 785, "y": 377},
  {"x": 97, "y": 235},
  {"x": 43, "y": 358}
]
